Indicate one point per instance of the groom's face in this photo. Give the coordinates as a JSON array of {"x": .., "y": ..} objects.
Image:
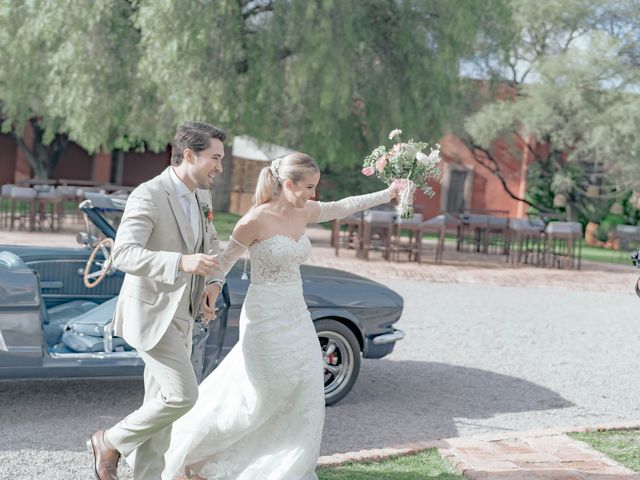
[{"x": 206, "y": 164}]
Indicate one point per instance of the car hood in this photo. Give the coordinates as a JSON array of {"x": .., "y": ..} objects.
[{"x": 330, "y": 287}]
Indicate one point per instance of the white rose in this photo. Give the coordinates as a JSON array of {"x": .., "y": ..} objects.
[{"x": 395, "y": 133}]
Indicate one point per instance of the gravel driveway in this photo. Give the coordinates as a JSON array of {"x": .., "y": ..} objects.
[{"x": 477, "y": 358}]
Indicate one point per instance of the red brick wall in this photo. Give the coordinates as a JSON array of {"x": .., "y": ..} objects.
[
  {"x": 140, "y": 167},
  {"x": 487, "y": 190},
  {"x": 75, "y": 164},
  {"x": 8, "y": 149}
]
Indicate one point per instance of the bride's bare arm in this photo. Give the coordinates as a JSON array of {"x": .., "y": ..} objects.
[{"x": 325, "y": 211}]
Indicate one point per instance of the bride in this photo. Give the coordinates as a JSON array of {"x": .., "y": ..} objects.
[{"x": 260, "y": 413}]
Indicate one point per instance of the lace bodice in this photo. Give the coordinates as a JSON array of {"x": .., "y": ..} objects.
[{"x": 277, "y": 259}]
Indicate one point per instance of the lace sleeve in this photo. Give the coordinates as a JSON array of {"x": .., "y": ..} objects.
[
  {"x": 229, "y": 257},
  {"x": 347, "y": 206}
]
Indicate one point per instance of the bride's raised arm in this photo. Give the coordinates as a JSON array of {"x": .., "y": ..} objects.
[{"x": 326, "y": 211}]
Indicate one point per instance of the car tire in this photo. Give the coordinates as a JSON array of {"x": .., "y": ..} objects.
[{"x": 343, "y": 358}]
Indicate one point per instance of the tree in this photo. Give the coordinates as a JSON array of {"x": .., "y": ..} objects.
[
  {"x": 330, "y": 78},
  {"x": 327, "y": 77},
  {"x": 69, "y": 70},
  {"x": 572, "y": 71}
]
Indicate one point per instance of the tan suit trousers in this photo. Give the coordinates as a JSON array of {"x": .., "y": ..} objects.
[{"x": 171, "y": 390}]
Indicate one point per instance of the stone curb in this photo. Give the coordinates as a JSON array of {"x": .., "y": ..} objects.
[{"x": 402, "y": 450}]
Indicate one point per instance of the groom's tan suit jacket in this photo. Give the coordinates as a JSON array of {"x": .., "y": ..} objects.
[{"x": 152, "y": 235}]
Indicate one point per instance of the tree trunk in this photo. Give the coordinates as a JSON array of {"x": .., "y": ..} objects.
[
  {"x": 222, "y": 185},
  {"x": 42, "y": 158}
]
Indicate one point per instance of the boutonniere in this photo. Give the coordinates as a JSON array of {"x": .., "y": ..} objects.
[{"x": 207, "y": 213}]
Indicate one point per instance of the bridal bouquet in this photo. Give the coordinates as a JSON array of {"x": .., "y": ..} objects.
[{"x": 406, "y": 161}]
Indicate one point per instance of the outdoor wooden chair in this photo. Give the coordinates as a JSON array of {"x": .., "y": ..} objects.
[
  {"x": 563, "y": 245},
  {"x": 50, "y": 208},
  {"x": 626, "y": 237},
  {"x": 440, "y": 225},
  {"x": 23, "y": 208},
  {"x": 472, "y": 232},
  {"x": 526, "y": 241},
  {"x": 408, "y": 244},
  {"x": 351, "y": 236},
  {"x": 496, "y": 236},
  {"x": 5, "y": 204},
  {"x": 377, "y": 231}
]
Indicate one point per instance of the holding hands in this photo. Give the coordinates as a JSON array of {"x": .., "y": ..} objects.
[
  {"x": 205, "y": 265},
  {"x": 208, "y": 303}
]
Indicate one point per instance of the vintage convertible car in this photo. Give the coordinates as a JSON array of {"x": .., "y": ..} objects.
[{"x": 56, "y": 306}]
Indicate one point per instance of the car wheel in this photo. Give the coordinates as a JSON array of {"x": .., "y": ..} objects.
[{"x": 341, "y": 358}]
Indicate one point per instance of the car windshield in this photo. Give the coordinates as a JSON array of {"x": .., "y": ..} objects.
[
  {"x": 102, "y": 214},
  {"x": 112, "y": 217}
]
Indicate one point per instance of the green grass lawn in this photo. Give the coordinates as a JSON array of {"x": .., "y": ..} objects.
[
  {"x": 598, "y": 254},
  {"x": 621, "y": 446},
  {"x": 224, "y": 223},
  {"x": 426, "y": 465}
]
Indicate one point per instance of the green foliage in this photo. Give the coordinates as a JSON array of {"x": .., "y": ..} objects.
[
  {"x": 572, "y": 68},
  {"x": 72, "y": 65},
  {"x": 329, "y": 78},
  {"x": 225, "y": 223},
  {"x": 338, "y": 182}
]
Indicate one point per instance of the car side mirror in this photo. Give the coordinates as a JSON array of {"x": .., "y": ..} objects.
[{"x": 86, "y": 239}]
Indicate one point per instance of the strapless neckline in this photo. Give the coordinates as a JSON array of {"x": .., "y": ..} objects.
[{"x": 279, "y": 235}]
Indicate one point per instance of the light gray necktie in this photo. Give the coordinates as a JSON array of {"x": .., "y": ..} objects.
[{"x": 192, "y": 214}]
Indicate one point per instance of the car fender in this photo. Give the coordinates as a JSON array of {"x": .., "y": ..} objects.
[{"x": 343, "y": 316}]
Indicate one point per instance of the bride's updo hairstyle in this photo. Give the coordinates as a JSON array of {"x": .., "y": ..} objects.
[{"x": 294, "y": 167}]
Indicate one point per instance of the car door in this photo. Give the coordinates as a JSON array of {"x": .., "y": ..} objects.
[
  {"x": 20, "y": 319},
  {"x": 61, "y": 278}
]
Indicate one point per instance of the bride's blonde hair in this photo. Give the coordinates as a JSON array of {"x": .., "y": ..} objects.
[{"x": 294, "y": 167}]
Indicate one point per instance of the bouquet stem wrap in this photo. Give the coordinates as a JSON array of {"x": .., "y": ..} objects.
[{"x": 405, "y": 200}]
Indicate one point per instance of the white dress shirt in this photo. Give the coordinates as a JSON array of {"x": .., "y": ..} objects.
[
  {"x": 188, "y": 202},
  {"x": 191, "y": 209}
]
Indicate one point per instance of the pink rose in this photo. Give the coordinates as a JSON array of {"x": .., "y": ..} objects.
[
  {"x": 368, "y": 171},
  {"x": 381, "y": 163}
]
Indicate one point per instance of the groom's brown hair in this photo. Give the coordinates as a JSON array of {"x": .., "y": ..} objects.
[{"x": 195, "y": 136}]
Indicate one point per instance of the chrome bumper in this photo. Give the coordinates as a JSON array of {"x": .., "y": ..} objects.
[{"x": 389, "y": 337}]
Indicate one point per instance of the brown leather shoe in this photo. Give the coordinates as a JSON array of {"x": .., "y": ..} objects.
[{"x": 105, "y": 459}]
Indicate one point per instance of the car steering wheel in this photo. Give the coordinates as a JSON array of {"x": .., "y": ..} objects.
[{"x": 93, "y": 279}]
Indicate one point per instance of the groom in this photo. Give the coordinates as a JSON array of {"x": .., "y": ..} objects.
[{"x": 162, "y": 244}]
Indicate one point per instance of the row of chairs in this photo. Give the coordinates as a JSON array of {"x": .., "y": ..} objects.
[
  {"x": 532, "y": 241},
  {"x": 41, "y": 205}
]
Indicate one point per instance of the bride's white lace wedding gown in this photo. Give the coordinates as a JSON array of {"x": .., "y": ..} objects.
[{"x": 260, "y": 413}]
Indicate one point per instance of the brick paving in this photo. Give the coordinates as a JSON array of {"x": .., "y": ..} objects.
[
  {"x": 545, "y": 454},
  {"x": 531, "y": 457}
]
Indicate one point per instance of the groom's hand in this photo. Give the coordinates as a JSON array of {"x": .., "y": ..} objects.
[
  {"x": 208, "y": 302},
  {"x": 198, "y": 263}
]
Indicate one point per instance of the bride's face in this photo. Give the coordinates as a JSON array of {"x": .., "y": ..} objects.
[{"x": 299, "y": 192}]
